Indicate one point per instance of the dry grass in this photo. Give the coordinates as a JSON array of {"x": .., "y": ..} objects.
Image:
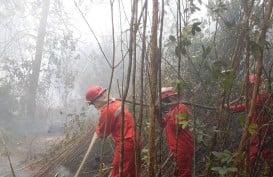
[{"x": 67, "y": 159}]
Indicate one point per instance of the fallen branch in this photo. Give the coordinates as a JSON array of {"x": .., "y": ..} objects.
[{"x": 7, "y": 151}]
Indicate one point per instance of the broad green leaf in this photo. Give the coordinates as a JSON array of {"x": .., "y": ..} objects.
[
  {"x": 184, "y": 124},
  {"x": 183, "y": 120},
  {"x": 218, "y": 155},
  {"x": 195, "y": 27},
  {"x": 181, "y": 116}
]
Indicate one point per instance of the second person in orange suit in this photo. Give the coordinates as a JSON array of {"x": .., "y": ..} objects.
[
  {"x": 261, "y": 141},
  {"x": 180, "y": 140}
]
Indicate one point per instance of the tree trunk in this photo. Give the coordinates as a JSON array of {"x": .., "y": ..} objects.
[
  {"x": 36, "y": 65},
  {"x": 259, "y": 65},
  {"x": 151, "y": 150}
]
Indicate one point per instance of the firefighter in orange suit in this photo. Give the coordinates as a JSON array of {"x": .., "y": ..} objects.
[
  {"x": 110, "y": 124},
  {"x": 260, "y": 142},
  {"x": 180, "y": 140}
]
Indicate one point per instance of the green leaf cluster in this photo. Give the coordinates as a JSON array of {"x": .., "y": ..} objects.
[
  {"x": 182, "y": 120},
  {"x": 225, "y": 158},
  {"x": 195, "y": 28},
  {"x": 224, "y": 170},
  {"x": 226, "y": 80},
  {"x": 252, "y": 128}
]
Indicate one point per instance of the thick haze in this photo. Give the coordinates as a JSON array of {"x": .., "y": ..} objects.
[
  {"x": 76, "y": 53},
  {"x": 51, "y": 51}
]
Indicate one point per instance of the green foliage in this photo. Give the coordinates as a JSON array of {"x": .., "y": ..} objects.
[
  {"x": 145, "y": 155},
  {"x": 74, "y": 125},
  {"x": 205, "y": 51},
  {"x": 181, "y": 47},
  {"x": 226, "y": 79},
  {"x": 225, "y": 158},
  {"x": 180, "y": 50},
  {"x": 252, "y": 128},
  {"x": 182, "y": 119},
  {"x": 185, "y": 39},
  {"x": 195, "y": 28},
  {"x": 216, "y": 68},
  {"x": 192, "y": 7},
  {"x": 222, "y": 171},
  {"x": 200, "y": 130},
  {"x": 220, "y": 7},
  {"x": 7, "y": 103},
  {"x": 172, "y": 38},
  {"x": 229, "y": 24},
  {"x": 208, "y": 164},
  {"x": 241, "y": 119},
  {"x": 255, "y": 46},
  {"x": 180, "y": 86}
]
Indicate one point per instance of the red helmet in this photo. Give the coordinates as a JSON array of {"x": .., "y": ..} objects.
[
  {"x": 94, "y": 92},
  {"x": 252, "y": 79},
  {"x": 166, "y": 92}
]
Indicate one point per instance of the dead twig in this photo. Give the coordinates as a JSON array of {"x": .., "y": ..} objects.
[{"x": 7, "y": 153}]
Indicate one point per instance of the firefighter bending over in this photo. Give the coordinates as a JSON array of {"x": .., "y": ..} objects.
[{"x": 110, "y": 124}]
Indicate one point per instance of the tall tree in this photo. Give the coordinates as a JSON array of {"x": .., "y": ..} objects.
[
  {"x": 36, "y": 65},
  {"x": 259, "y": 56},
  {"x": 153, "y": 83}
]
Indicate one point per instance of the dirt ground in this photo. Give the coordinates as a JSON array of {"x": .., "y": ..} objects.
[{"x": 24, "y": 151}]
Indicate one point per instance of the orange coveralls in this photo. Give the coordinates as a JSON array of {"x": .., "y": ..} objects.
[
  {"x": 110, "y": 124},
  {"x": 182, "y": 147},
  {"x": 263, "y": 117}
]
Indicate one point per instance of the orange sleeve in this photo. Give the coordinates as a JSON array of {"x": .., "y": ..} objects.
[{"x": 259, "y": 102}]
